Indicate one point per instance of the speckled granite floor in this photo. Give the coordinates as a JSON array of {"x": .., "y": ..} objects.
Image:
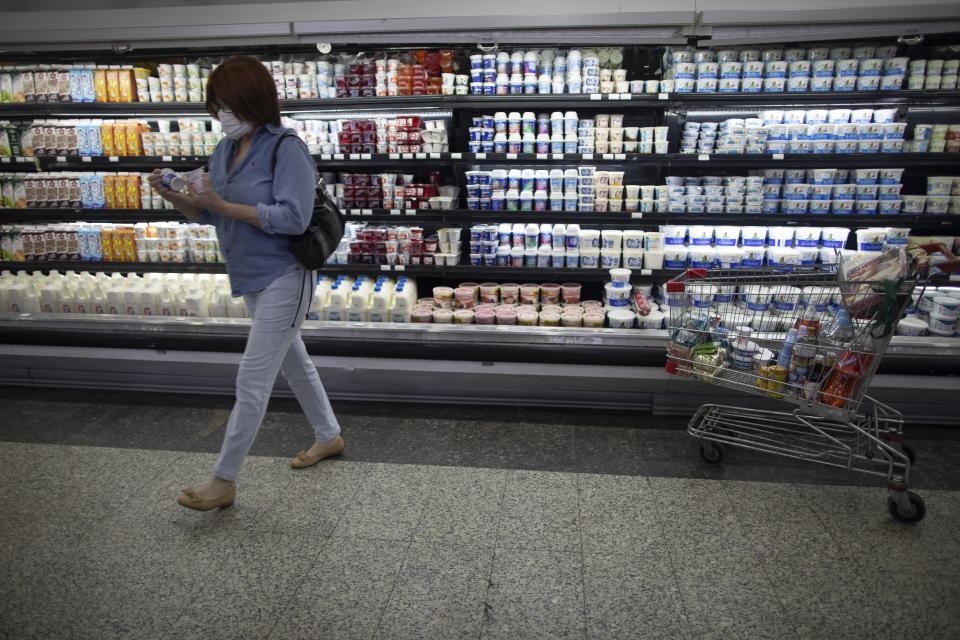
[{"x": 538, "y": 525}]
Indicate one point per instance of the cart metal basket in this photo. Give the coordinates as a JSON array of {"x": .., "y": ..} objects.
[{"x": 808, "y": 339}]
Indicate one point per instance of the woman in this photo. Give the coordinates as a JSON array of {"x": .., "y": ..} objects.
[{"x": 259, "y": 190}]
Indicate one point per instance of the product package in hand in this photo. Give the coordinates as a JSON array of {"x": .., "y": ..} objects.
[{"x": 180, "y": 181}]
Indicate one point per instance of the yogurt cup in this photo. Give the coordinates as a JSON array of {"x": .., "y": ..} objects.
[
  {"x": 942, "y": 326},
  {"x": 946, "y": 307},
  {"x": 621, "y": 318},
  {"x": 912, "y": 327}
]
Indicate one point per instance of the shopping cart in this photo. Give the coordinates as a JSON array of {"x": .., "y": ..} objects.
[{"x": 803, "y": 337}]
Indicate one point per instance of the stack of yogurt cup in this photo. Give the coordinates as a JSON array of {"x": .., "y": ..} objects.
[
  {"x": 792, "y": 70},
  {"x": 933, "y": 74},
  {"x": 943, "y": 196},
  {"x": 935, "y": 138}
]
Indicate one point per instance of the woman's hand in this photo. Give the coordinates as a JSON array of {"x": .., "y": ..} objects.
[
  {"x": 207, "y": 197},
  {"x": 185, "y": 203}
]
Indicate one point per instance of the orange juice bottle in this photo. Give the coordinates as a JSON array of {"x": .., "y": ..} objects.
[
  {"x": 100, "y": 84},
  {"x": 133, "y": 192},
  {"x": 120, "y": 139},
  {"x": 109, "y": 191},
  {"x": 113, "y": 85},
  {"x": 134, "y": 146},
  {"x": 106, "y": 138}
]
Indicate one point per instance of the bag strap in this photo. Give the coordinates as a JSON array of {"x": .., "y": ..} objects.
[{"x": 276, "y": 148}]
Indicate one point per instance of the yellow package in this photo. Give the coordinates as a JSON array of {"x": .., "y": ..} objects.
[
  {"x": 106, "y": 139},
  {"x": 109, "y": 192},
  {"x": 134, "y": 146},
  {"x": 125, "y": 78},
  {"x": 120, "y": 139},
  {"x": 113, "y": 85},
  {"x": 133, "y": 192},
  {"x": 100, "y": 85}
]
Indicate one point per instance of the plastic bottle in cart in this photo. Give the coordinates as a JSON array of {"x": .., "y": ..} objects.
[
  {"x": 810, "y": 320},
  {"x": 836, "y": 336},
  {"x": 801, "y": 362}
]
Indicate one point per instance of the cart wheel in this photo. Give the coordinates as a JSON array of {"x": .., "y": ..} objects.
[
  {"x": 711, "y": 453},
  {"x": 910, "y": 453},
  {"x": 920, "y": 509}
]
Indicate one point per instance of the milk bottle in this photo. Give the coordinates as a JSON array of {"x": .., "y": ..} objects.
[
  {"x": 150, "y": 298},
  {"x": 236, "y": 308},
  {"x": 197, "y": 302},
  {"x": 98, "y": 300},
  {"x": 404, "y": 299},
  {"x": 336, "y": 309},
  {"x": 218, "y": 305},
  {"x": 359, "y": 301},
  {"x": 166, "y": 304},
  {"x": 320, "y": 295}
]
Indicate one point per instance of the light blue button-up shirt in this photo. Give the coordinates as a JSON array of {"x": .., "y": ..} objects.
[{"x": 284, "y": 198}]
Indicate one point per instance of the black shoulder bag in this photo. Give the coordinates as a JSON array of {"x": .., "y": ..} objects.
[{"x": 312, "y": 247}]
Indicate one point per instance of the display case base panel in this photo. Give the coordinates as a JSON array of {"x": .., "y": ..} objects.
[{"x": 926, "y": 399}]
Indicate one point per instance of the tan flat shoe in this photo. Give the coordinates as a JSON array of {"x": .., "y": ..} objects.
[
  {"x": 191, "y": 500},
  {"x": 302, "y": 460}
]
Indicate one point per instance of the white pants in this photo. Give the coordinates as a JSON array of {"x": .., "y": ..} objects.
[{"x": 275, "y": 345}]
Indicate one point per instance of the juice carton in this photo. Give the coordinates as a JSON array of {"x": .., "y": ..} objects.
[
  {"x": 73, "y": 243},
  {"x": 106, "y": 139},
  {"x": 109, "y": 197},
  {"x": 53, "y": 85},
  {"x": 120, "y": 191},
  {"x": 24, "y": 87},
  {"x": 17, "y": 242},
  {"x": 129, "y": 245},
  {"x": 113, "y": 85},
  {"x": 6, "y": 87},
  {"x": 62, "y": 192},
  {"x": 39, "y": 86},
  {"x": 118, "y": 252},
  {"x": 97, "y": 198},
  {"x": 76, "y": 85},
  {"x": 20, "y": 193},
  {"x": 100, "y": 84},
  {"x": 134, "y": 146},
  {"x": 47, "y": 193},
  {"x": 88, "y": 92},
  {"x": 63, "y": 85},
  {"x": 106, "y": 243},
  {"x": 61, "y": 145},
  {"x": 83, "y": 139},
  {"x": 49, "y": 136},
  {"x": 6, "y": 188},
  {"x": 73, "y": 191},
  {"x": 86, "y": 191},
  {"x": 119, "y": 139},
  {"x": 5, "y": 151},
  {"x": 15, "y": 137},
  {"x": 95, "y": 139},
  {"x": 126, "y": 84},
  {"x": 133, "y": 191}
]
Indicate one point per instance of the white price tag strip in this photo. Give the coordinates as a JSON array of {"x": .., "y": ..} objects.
[
  {"x": 541, "y": 156},
  {"x": 394, "y": 212},
  {"x": 511, "y": 156},
  {"x": 636, "y": 214},
  {"x": 408, "y": 156},
  {"x": 356, "y": 212},
  {"x": 596, "y": 96},
  {"x": 59, "y": 159},
  {"x": 354, "y": 156},
  {"x": 614, "y": 96},
  {"x": 608, "y": 156},
  {"x": 778, "y": 156},
  {"x": 86, "y": 159},
  {"x": 384, "y": 267},
  {"x": 5, "y": 160},
  {"x": 587, "y": 156},
  {"x": 646, "y": 272},
  {"x": 663, "y": 96},
  {"x": 620, "y": 156},
  {"x": 704, "y": 157},
  {"x": 167, "y": 158},
  {"x": 411, "y": 212},
  {"x": 434, "y": 156},
  {"x": 394, "y": 156},
  {"x": 558, "y": 156},
  {"x": 338, "y": 156},
  {"x": 400, "y": 267},
  {"x": 367, "y": 212},
  {"x": 22, "y": 159},
  {"x": 114, "y": 159},
  {"x": 325, "y": 156},
  {"x": 481, "y": 156},
  {"x": 421, "y": 156},
  {"x": 626, "y": 96},
  {"x": 366, "y": 156},
  {"x": 456, "y": 156}
]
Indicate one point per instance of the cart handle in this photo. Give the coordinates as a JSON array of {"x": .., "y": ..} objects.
[
  {"x": 678, "y": 284},
  {"x": 953, "y": 263}
]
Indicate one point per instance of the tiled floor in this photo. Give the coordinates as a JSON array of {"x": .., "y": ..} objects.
[{"x": 449, "y": 527}]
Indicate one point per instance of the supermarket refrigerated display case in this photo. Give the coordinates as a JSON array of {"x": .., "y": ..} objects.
[{"x": 539, "y": 365}]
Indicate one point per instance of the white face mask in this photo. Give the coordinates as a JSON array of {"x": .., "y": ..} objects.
[{"x": 233, "y": 127}]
